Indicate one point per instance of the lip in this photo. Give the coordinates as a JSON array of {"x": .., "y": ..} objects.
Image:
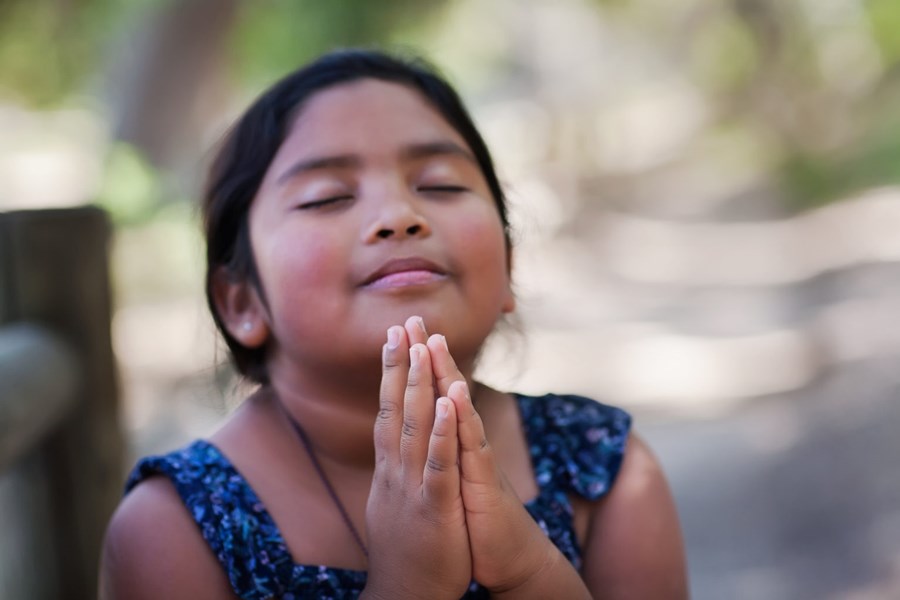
[{"x": 403, "y": 272}]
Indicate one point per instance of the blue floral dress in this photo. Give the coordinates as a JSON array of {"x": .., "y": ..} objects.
[{"x": 576, "y": 447}]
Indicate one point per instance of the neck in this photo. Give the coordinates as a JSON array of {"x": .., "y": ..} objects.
[
  {"x": 337, "y": 411},
  {"x": 338, "y": 418}
]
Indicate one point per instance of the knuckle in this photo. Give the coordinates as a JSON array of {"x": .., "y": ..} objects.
[
  {"x": 410, "y": 428},
  {"x": 382, "y": 447},
  {"x": 414, "y": 379},
  {"x": 389, "y": 362},
  {"x": 408, "y": 450},
  {"x": 431, "y": 515},
  {"x": 384, "y": 474},
  {"x": 386, "y": 411},
  {"x": 436, "y": 465},
  {"x": 384, "y": 484}
]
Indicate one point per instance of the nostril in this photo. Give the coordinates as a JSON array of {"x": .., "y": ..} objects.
[
  {"x": 413, "y": 229},
  {"x": 385, "y": 233}
]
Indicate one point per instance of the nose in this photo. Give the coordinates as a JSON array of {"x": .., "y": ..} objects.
[{"x": 398, "y": 218}]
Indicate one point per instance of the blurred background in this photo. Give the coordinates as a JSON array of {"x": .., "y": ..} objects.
[{"x": 706, "y": 202}]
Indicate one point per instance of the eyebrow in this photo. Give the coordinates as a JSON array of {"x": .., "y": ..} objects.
[
  {"x": 352, "y": 161},
  {"x": 429, "y": 149},
  {"x": 342, "y": 161}
]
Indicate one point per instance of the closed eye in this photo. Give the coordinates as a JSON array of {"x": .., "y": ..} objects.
[
  {"x": 442, "y": 189},
  {"x": 324, "y": 202}
]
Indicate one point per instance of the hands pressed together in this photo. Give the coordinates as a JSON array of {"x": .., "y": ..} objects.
[{"x": 440, "y": 511}]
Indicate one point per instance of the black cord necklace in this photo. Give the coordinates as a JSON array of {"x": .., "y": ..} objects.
[{"x": 310, "y": 451}]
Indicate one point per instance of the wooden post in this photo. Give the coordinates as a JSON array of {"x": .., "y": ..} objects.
[
  {"x": 53, "y": 270},
  {"x": 32, "y": 404}
]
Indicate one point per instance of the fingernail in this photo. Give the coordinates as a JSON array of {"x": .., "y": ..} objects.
[
  {"x": 393, "y": 338},
  {"x": 414, "y": 354},
  {"x": 421, "y": 324},
  {"x": 442, "y": 408},
  {"x": 444, "y": 343}
]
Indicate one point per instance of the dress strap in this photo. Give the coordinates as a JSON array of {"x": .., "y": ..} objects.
[{"x": 575, "y": 442}]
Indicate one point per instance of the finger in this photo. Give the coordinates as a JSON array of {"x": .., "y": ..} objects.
[
  {"x": 445, "y": 369},
  {"x": 415, "y": 330},
  {"x": 476, "y": 459},
  {"x": 418, "y": 411},
  {"x": 389, "y": 422},
  {"x": 440, "y": 481}
]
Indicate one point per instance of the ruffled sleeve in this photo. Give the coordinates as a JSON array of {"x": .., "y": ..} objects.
[
  {"x": 230, "y": 516},
  {"x": 575, "y": 442}
]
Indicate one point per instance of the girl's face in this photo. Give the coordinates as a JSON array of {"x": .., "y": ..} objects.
[{"x": 374, "y": 209}]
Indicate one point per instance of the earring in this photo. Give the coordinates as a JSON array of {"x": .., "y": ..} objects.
[{"x": 247, "y": 326}]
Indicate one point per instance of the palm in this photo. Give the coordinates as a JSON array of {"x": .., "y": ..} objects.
[
  {"x": 504, "y": 540},
  {"x": 415, "y": 517}
]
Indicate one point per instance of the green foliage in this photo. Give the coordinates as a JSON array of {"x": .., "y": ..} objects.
[
  {"x": 273, "y": 37},
  {"x": 49, "y": 47},
  {"x": 814, "y": 181},
  {"x": 884, "y": 17},
  {"x": 724, "y": 53},
  {"x": 131, "y": 190},
  {"x": 754, "y": 61}
]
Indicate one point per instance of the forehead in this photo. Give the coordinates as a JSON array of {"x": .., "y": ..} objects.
[{"x": 356, "y": 114}]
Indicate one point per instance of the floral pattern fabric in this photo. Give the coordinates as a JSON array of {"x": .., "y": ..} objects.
[{"x": 576, "y": 447}]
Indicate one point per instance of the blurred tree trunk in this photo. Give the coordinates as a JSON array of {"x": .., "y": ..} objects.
[{"x": 166, "y": 82}]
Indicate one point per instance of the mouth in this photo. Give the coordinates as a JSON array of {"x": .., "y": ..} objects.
[{"x": 404, "y": 272}]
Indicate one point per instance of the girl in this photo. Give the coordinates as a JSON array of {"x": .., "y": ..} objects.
[{"x": 358, "y": 257}]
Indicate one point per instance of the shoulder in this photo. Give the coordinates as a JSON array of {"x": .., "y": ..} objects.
[
  {"x": 575, "y": 441},
  {"x": 574, "y": 417},
  {"x": 634, "y": 547},
  {"x": 154, "y": 549},
  {"x": 567, "y": 409},
  {"x": 641, "y": 472}
]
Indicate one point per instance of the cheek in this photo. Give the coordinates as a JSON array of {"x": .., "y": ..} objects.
[
  {"x": 482, "y": 238},
  {"x": 300, "y": 266},
  {"x": 481, "y": 246}
]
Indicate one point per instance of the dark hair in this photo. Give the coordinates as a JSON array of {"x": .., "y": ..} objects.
[{"x": 249, "y": 147}]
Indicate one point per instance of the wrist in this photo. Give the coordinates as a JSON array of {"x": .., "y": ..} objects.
[
  {"x": 405, "y": 592},
  {"x": 551, "y": 576},
  {"x": 405, "y": 595}
]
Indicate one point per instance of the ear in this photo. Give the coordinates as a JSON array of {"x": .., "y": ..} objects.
[
  {"x": 240, "y": 308},
  {"x": 509, "y": 301}
]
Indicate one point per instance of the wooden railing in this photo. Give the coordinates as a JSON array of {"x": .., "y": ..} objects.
[{"x": 61, "y": 446}]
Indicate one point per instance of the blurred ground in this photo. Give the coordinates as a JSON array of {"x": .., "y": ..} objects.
[{"x": 793, "y": 496}]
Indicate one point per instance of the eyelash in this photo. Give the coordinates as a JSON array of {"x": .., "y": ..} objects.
[
  {"x": 433, "y": 189},
  {"x": 323, "y": 203},
  {"x": 443, "y": 189}
]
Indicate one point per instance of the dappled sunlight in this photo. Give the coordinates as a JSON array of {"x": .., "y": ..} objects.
[
  {"x": 705, "y": 208},
  {"x": 599, "y": 284},
  {"x": 49, "y": 159},
  {"x": 639, "y": 367},
  {"x": 854, "y": 232}
]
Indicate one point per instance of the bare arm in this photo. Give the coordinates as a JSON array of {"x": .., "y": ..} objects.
[
  {"x": 153, "y": 549},
  {"x": 634, "y": 547}
]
